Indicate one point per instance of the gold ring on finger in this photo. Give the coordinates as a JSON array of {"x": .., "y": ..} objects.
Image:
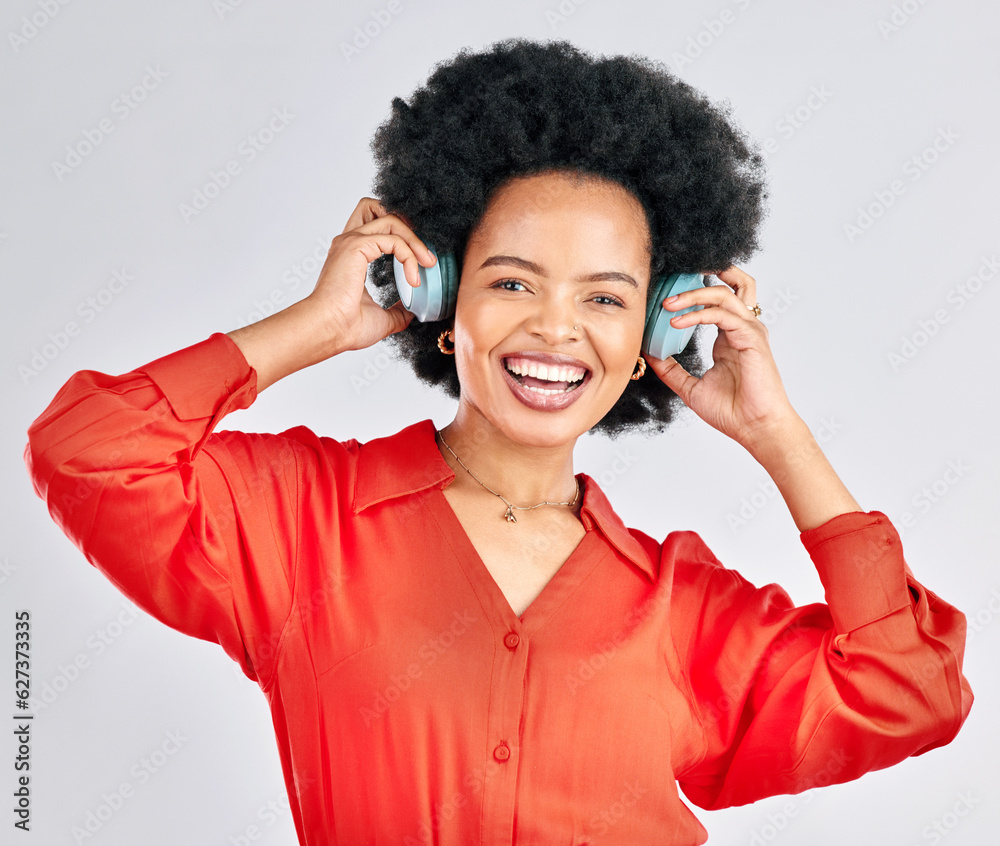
[{"x": 756, "y": 309}]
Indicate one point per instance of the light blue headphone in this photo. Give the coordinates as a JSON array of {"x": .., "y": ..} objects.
[{"x": 438, "y": 291}]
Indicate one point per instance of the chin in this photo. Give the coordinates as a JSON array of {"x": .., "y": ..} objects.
[{"x": 545, "y": 430}]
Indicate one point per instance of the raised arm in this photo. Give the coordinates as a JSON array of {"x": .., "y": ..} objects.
[
  {"x": 741, "y": 395},
  {"x": 339, "y": 314},
  {"x": 792, "y": 698},
  {"x": 178, "y": 518}
]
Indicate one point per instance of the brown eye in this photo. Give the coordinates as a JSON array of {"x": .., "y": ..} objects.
[
  {"x": 503, "y": 282},
  {"x": 611, "y": 300}
]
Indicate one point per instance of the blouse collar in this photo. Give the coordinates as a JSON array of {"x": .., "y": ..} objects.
[{"x": 409, "y": 461}]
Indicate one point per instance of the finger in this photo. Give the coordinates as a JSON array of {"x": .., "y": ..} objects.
[
  {"x": 375, "y": 244},
  {"x": 742, "y": 283},
  {"x": 396, "y": 226},
  {"x": 742, "y": 329},
  {"x": 399, "y": 317},
  {"x": 713, "y": 295},
  {"x": 366, "y": 211},
  {"x": 674, "y": 376}
]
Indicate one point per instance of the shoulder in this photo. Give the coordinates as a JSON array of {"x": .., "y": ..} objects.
[
  {"x": 294, "y": 449},
  {"x": 686, "y": 560},
  {"x": 361, "y": 472},
  {"x": 303, "y": 442},
  {"x": 682, "y": 558}
]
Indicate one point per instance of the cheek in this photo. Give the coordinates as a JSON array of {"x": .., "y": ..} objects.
[
  {"x": 475, "y": 325},
  {"x": 621, "y": 360},
  {"x": 477, "y": 334},
  {"x": 624, "y": 339},
  {"x": 484, "y": 322}
]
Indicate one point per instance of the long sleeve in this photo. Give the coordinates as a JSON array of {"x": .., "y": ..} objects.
[
  {"x": 793, "y": 698},
  {"x": 200, "y": 533}
]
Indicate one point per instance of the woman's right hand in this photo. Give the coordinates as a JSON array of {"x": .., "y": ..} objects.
[
  {"x": 355, "y": 319},
  {"x": 339, "y": 314}
]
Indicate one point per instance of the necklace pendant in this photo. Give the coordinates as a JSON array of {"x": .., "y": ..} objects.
[{"x": 509, "y": 514}]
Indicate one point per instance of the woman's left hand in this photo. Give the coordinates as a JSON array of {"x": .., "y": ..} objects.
[{"x": 741, "y": 395}]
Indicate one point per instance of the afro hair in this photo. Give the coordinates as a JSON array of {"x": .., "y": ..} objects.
[{"x": 525, "y": 107}]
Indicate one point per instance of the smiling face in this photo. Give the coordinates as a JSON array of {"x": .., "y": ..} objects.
[{"x": 552, "y": 252}]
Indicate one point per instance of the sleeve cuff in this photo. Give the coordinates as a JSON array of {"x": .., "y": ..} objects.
[
  {"x": 206, "y": 380},
  {"x": 859, "y": 558}
]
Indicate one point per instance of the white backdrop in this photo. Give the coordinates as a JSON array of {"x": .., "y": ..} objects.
[{"x": 878, "y": 276}]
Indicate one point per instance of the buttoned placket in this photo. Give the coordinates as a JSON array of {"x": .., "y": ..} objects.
[
  {"x": 510, "y": 670},
  {"x": 513, "y": 638}
]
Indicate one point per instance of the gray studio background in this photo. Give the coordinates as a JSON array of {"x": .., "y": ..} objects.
[{"x": 878, "y": 278}]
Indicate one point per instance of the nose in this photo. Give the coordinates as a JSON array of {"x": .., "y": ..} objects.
[{"x": 554, "y": 319}]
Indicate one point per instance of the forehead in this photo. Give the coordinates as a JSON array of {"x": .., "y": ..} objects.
[{"x": 568, "y": 202}]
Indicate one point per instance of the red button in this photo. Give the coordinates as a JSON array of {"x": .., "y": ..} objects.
[
  {"x": 502, "y": 752},
  {"x": 511, "y": 641}
]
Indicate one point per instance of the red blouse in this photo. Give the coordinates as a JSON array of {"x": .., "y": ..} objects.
[{"x": 411, "y": 705}]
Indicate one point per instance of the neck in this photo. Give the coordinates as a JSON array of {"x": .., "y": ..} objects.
[{"x": 524, "y": 474}]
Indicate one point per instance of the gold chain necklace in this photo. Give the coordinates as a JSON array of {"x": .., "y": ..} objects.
[{"x": 509, "y": 513}]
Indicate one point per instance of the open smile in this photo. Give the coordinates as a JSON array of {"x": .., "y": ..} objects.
[{"x": 544, "y": 386}]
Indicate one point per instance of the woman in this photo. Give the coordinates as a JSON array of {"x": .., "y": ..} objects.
[{"x": 459, "y": 639}]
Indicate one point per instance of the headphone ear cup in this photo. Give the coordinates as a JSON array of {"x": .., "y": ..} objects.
[
  {"x": 437, "y": 293},
  {"x": 660, "y": 339},
  {"x": 449, "y": 284}
]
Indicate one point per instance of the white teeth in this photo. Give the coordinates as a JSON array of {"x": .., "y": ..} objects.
[{"x": 550, "y": 373}]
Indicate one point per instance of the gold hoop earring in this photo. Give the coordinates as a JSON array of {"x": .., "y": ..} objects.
[
  {"x": 441, "y": 345},
  {"x": 641, "y": 365}
]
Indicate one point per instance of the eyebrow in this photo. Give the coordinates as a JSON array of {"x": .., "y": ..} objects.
[{"x": 531, "y": 267}]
